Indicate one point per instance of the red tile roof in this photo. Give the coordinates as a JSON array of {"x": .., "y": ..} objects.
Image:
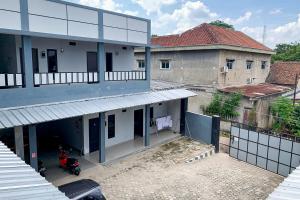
[
  {"x": 284, "y": 73},
  {"x": 205, "y": 34},
  {"x": 256, "y": 91}
]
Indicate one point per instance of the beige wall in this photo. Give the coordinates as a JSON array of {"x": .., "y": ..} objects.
[
  {"x": 204, "y": 67},
  {"x": 239, "y": 74}
]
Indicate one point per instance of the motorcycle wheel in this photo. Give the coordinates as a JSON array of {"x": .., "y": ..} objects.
[{"x": 77, "y": 172}]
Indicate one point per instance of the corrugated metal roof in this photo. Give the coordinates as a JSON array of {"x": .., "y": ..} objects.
[
  {"x": 19, "y": 181},
  {"x": 19, "y": 116},
  {"x": 289, "y": 189}
]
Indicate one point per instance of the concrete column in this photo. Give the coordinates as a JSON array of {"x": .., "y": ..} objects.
[
  {"x": 147, "y": 126},
  {"x": 215, "y": 132},
  {"x": 27, "y": 61},
  {"x": 148, "y": 63},
  {"x": 86, "y": 134},
  {"x": 102, "y": 138},
  {"x": 183, "y": 110},
  {"x": 33, "y": 147},
  {"x": 19, "y": 142},
  {"x": 24, "y": 15},
  {"x": 101, "y": 58}
]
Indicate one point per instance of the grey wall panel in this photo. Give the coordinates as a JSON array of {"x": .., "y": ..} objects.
[
  {"x": 253, "y": 136},
  {"x": 199, "y": 127},
  {"x": 285, "y": 158},
  {"x": 47, "y": 25},
  {"x": 137, "y": 37},
  {"x": 296, "y": 148},
  {"x": 295, "y": 161},
  {"x": 47, "y": 8},
  {"x": 263, "y": 139},
  {"x": 138, "y": 25},
  {"x": 235, "y": 142},
  {"x": 283, "y": 170},
  {"x": 252, "y": 148},
  {"x": 83, "y": 30},
  {"x": 233, "y": 152},
  {"x": 114, "y": 20},
  {"x": 244, "y": 134},
  {"x": 243, "y": 145},
  {"x": 272, "y": 166},
  {"x": 82, "y": 15},
  {"x": 12, "y": 20},
  {"x": 261, "y": 162},
  {"x": 13, "y": 5},
  {"x": 115, "y": 34},
  {"x": 242, "y": 155},
  {"x": 274, "y": 141},
  {"x": 273, "y": 154},
  {"x": 234, "y": 131},
  {"x": 251, "y": 159},
  {"x": 262, "y": 151},
  {"x": 286, "y": 145}
]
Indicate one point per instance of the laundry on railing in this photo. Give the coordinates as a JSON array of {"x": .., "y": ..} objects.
[{"x": 164, "y": 123}]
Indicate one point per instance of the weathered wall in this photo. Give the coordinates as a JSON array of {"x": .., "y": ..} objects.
[
  {"x": 204, "y": 97},
  {"x": 239, "y": 74}
]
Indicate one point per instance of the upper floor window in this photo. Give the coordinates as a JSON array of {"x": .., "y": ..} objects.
[
  {"x": 164, "y": 64},
  {"x": 263, "y": 64},
  {"x": 229, "y": 63},
  {"x": 141, "y": 64},
  {"x": 249, "y": 64}
]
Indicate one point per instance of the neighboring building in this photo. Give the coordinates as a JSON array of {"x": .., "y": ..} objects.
[
  {"x": 284, "y": 73},
  {"x": 67, "y": 76},
  {"x": 256, "y": 101},
  {"x": 207, "y": 57}
]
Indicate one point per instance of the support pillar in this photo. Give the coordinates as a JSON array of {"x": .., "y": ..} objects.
[
  {"x": 101, "y": 58},
  {"x": 33, "y": 147},
  {"x": 148, "y": 63},
  {"x": 19, "y": 142},
  {"x": 215, "y": 132},
  {"x": 183, "y": 110},
  {"x": 27, "y": 61},
  {"x": 101, "y": 137},
  {"x": 147, "y": 126}
]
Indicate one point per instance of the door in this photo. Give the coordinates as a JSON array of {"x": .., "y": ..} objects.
[
  {"x": 109, "y": 62},
  {"x": 52, "y": 60},
  {"x": 94, "y": 131},
  {"x": 138, "y": 123},
  {"x": 35, "y": 61},
  {"x": 92, "y": 63}
]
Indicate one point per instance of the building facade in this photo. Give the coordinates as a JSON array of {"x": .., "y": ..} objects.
[
  {"x": 206, "y": 58},
  {"x": 67, "y": 76}
]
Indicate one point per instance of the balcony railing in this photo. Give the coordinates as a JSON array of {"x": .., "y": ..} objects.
[
  {"x": 125, "y": 75},
  {"x": 65, "y": 78},
  {"x": 10, "y": 80}
]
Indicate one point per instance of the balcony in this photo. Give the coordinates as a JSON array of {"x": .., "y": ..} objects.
[
  {"x": 125, "y": 75},
  {"x": 11, "y": 80},
  {"x": 65, "y": 78}
]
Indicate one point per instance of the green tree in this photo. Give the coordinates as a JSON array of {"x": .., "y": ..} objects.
[
  {"x": 224, "y": 105},
  {"x": 221, "y": 24},
  {"x": 287, "y": 52}
]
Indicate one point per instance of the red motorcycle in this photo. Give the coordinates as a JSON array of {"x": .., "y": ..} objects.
[{"x": 70, "y": 164}]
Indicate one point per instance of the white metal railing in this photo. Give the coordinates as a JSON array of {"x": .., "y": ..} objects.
[
  {"x": 125, "y": 75},
  {"x": 65, "y": 78},
  {"x": 10, "y": 80}
]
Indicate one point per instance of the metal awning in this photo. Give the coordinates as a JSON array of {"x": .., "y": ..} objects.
[
  {"x": 20, "y": 116},
  {"x": 19, "y": 181},
  {"x": 289, "y": 189}
]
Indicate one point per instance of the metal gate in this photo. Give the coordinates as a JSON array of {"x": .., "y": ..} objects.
[{"x": 278, "y": 153}]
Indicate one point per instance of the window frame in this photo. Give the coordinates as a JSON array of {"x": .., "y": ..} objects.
[
  {"x": 264, "y": 64},
  {"x": 165, "y": 61},
  {"x": 251, "y": 64},
  {"x": 111, "y": 135},
  {"x": 141, "y": 64},
  {"x": 230, "y": 61}
]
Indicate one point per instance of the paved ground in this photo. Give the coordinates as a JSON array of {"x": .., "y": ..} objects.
[{"x": 161, "y": 173}]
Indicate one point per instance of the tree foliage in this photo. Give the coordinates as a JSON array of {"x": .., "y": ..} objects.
[
  {"x": 221, "y": 24},
  {"x": 287, "y": 52},
  {"x": 286, "y": 116},
  {"x": 224, "y": 105}
]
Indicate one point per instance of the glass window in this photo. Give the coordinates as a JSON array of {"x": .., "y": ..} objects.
[
  {"x": 164, "y": 64},
  {"x": 52, "y": 60},
  {"x": 141, "y": 64},
  {"x": 263, "y": 64},
  {"x": 249, "y": 64},
  {"x": 229, "y": 63},
  {"x": 111, "y": 126}
]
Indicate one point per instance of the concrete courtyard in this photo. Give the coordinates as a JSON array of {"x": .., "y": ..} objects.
[{"x": 162, "y": 173}]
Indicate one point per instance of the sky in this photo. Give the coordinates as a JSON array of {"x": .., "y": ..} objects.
[{"x": 281, "y": 18}]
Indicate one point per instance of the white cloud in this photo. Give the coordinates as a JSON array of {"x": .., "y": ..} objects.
[
  {"x": 105, "y": 4},
  {"x": 285, "y": 33},
  {"x": 188, "y": 15},
  {"x": 239, "y": 20},
  {"x": 152, "y": 6},
  {"x": 275, "y": 11}
]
